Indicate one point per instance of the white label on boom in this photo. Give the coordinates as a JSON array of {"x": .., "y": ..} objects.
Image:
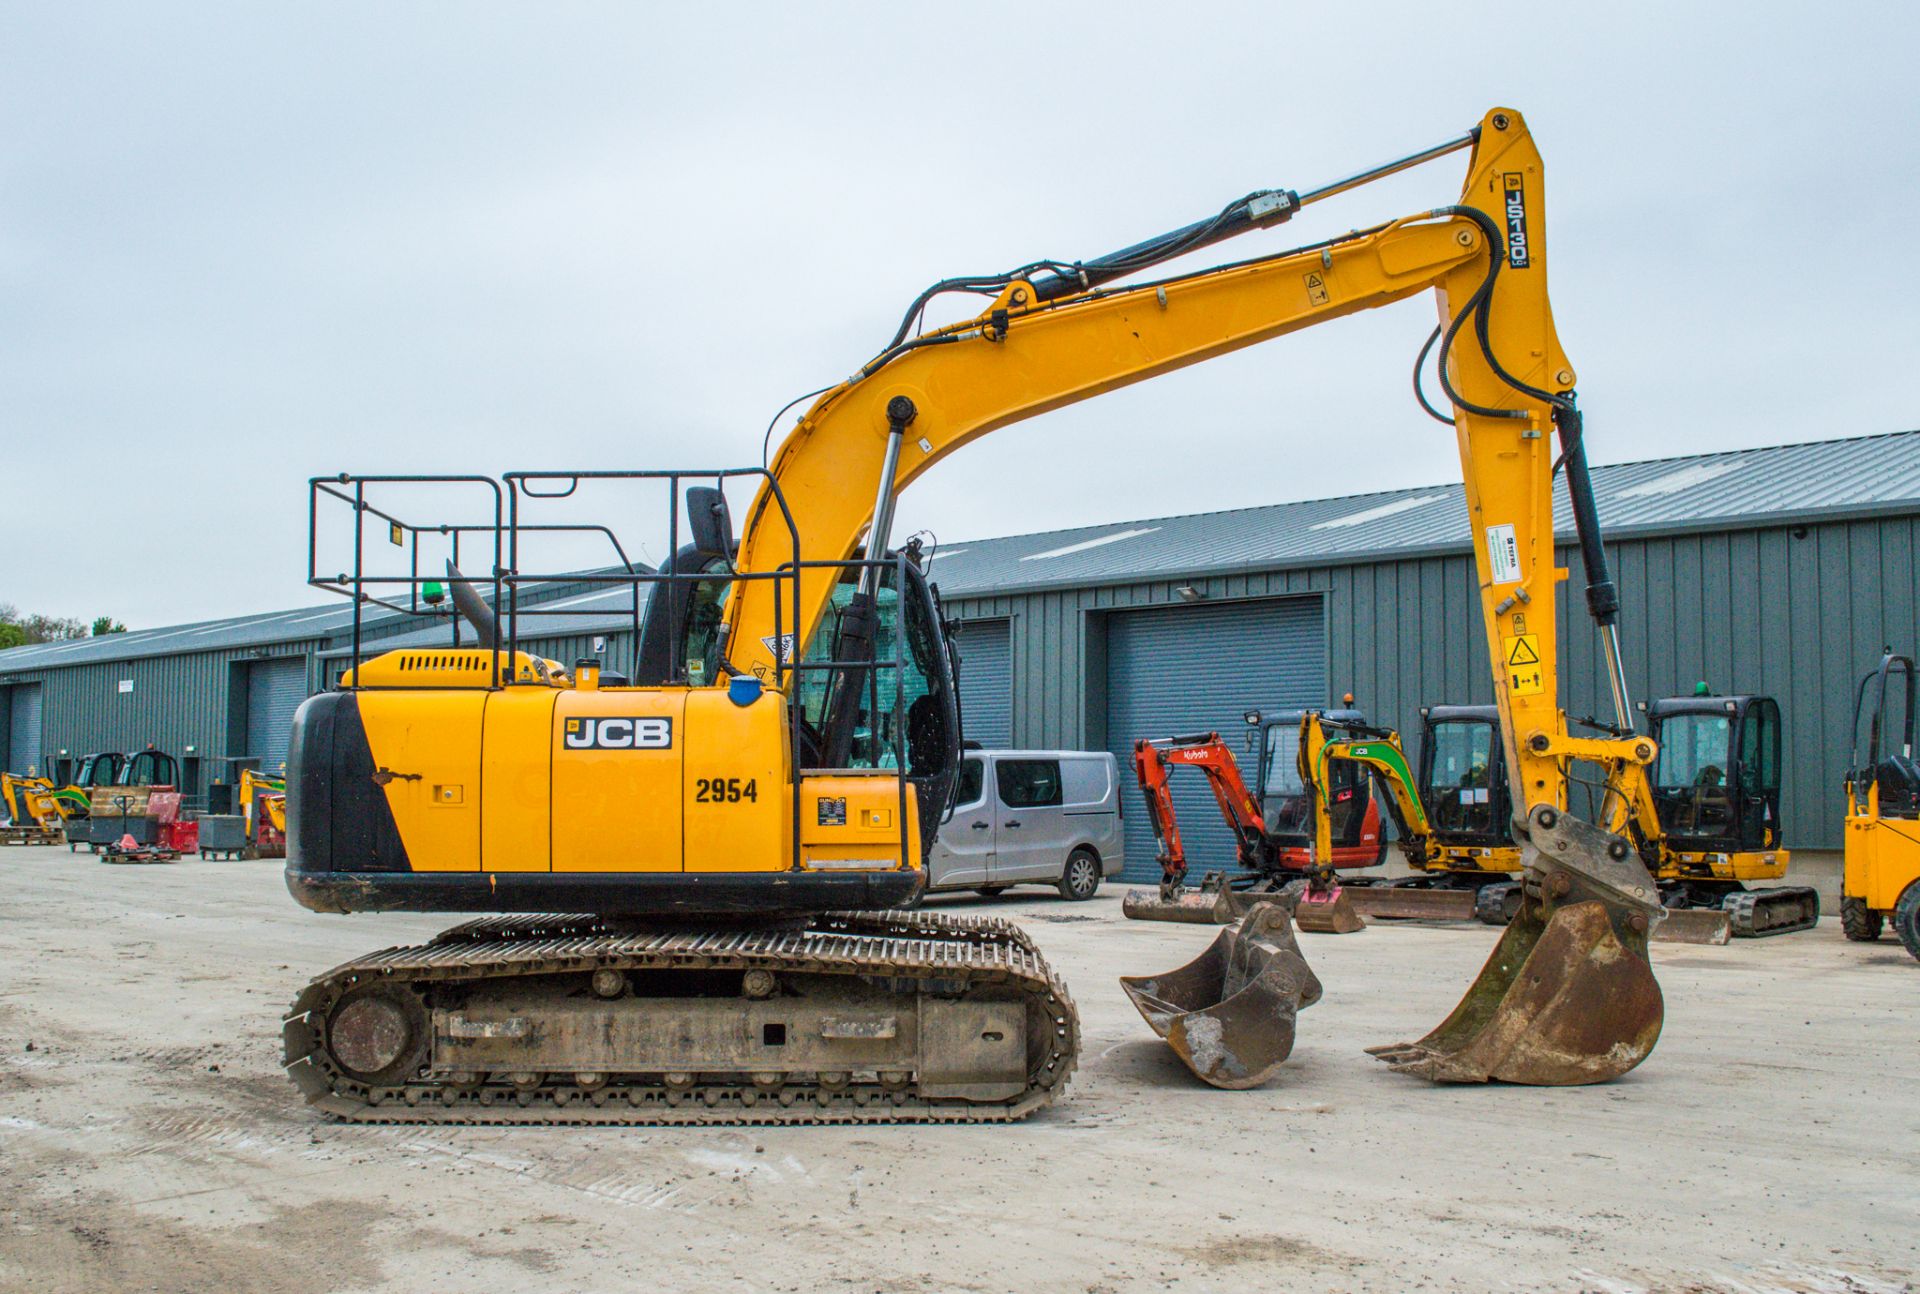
[{"x": 1503, "y": 555}]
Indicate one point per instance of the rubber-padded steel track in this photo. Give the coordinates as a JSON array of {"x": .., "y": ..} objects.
[
  {"x": 963, "y": 954},
  {"x": 1777, "y": 911}
]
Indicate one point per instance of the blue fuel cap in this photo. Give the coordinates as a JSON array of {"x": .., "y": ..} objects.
[{"x": 743, "y": 689}]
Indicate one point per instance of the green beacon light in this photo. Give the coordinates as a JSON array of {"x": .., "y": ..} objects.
[
  {"x": 1701, "y": 689},
  {"x": 433, "y": 592}
]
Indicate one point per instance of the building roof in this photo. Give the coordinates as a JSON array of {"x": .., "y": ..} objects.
[
  {"x": 330, "y": 625},
  {"x": 1820, "y": 480},
  {"x": 303, "y": 624},
  {"x": 599, "y": 611}
]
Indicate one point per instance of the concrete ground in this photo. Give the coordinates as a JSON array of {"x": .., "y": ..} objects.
[{"x": 149, "y": 1142}]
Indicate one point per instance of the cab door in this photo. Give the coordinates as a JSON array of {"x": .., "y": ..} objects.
[
  {"x": 1030, "y": 822},
  {"x": 1759, "y": 807},
  {"x": 962, "y": 855}
]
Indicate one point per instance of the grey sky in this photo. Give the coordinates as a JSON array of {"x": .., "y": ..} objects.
[{"x": 243, "y": 245}]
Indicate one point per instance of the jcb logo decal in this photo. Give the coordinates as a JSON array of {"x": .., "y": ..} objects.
[
  {"x": 649, "y": 732},
  {"x": 1515, "y": 194}
]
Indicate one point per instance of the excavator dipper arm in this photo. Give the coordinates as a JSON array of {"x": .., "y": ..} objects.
[{"x": 1205, "y": 751}]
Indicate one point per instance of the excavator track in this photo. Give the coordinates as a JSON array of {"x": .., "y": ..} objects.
[
  {"x": 853, "y": 1017},
  {"x": 1777, "y": 911}
]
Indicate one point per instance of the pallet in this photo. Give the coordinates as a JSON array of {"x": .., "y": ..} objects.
[
  {"x": 224, "y": 855},
  {"x": 31, "y": 836},
  {"x": 142, "y": 855}
]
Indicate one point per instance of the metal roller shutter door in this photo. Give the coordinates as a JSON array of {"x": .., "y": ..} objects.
[
  {"x": 1176, "y": 670},
  {"x": 23, "y": 729},
  {"x": 986, "y": 683},
  {"x": 275, "y": 689}
]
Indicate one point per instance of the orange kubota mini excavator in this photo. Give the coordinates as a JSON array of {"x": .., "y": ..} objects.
[
  {"x": 1276, "y": 846},
  {"x": 730, "y": 825}
]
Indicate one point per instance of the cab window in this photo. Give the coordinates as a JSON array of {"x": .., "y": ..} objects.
[
  {"x": 875, "y": 733},
  {"x": 1459, "y": 784},
  {"x": 1693, "y": 752},
  {"x": 1028, "y": 783},
  {"x": 1283, "y": 762}
]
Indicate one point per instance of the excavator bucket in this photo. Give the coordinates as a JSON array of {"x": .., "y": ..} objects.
[
  {"x": 1214, "y": 903},
  {"x": 1694, "y": 926},
  {"x": 1183, "y": 903},
  {"x": 1568, "y": 996},
  {"x": 1326, "y": 912},
  {"x": 1229, "y": 1014}
]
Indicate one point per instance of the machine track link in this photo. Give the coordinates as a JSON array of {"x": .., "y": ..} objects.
[
  {"x": 903, "y": 958},
  {"x": 1777, "y": 911}
]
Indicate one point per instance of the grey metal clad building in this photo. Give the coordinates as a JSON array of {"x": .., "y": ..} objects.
[
  {"x": 1781, "y": 570},
  {"x": 218, "y": 693}
]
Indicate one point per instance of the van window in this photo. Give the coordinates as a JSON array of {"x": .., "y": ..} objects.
[
  {"x": 1084, "y": 781},
  {"x": 1028, "y": 783},
  {"x": 972, "y": 781}
]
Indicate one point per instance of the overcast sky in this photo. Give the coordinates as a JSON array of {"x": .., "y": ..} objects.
[{"x": 243, "y": 245}]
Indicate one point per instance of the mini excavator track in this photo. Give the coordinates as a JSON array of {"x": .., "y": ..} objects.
[{"x": 859, "y": 1017}]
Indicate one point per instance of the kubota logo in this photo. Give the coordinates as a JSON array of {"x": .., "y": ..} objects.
[{"x": 638, "y": 732}]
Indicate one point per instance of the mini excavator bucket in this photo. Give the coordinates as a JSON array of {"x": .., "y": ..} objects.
[
  {"x": 1216, "y": 902},
  {"x": 1229, "y": 1013},
  {"x": 1326, "y": 912},
  {"x": 1568, "y": 996}
]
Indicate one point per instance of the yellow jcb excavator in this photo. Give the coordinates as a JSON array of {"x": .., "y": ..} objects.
[{"x": 736, "y": 843}]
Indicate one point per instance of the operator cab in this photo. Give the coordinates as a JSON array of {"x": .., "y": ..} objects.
[
  {"x": 99, "y": 769},
  {"x": 1716, "y": 781},
  {"x": 1463, "y": 775},
  {"x": 1285, "y": 808},
  {"x": 1883, "y": 728},
  {"x": 148, "y": 768},
  {"x": 878, "y": 700}
]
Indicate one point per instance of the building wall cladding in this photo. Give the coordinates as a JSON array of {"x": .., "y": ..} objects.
[
  {"x": 176, "y": 702},
  {"x": 1795, "y": 612}
]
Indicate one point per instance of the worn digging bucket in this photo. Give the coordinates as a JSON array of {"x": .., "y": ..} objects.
[
  {"x": 1229, "y": 1013},
  {"x": 1568, "y": 996},
  {"x": 1214, "y": 903},
  {"x": 1326, "y": 912}
]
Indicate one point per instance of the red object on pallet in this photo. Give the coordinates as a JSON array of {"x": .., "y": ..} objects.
[
  {"x": 164, "y": 806},
  {"x": 181, "y": 836}
]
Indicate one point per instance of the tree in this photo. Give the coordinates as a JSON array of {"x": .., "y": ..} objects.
[
  {"x": 17, "y": 630},
  {"x": 107, "y": 625}
]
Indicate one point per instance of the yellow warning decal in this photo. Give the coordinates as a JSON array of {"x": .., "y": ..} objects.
[
  {"x": 1316, "y": 290},
  {"x": 1524, "y": 676}
]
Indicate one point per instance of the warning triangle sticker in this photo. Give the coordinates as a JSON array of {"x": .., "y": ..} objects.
[{"x": 1523, "y": 652}]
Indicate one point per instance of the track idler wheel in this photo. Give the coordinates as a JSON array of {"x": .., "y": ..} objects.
[
  {"x": 1568, "y": 996},
  {"x": 1229, "y": 1014}
]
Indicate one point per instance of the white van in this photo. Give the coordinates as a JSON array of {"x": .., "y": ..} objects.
[{"x": 1021, "y": 817}]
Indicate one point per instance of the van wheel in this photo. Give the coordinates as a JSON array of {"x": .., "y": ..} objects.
[
  {"x": 1906, "y": 918},
  {"x": 990, "y": 891},
  {"x": 1860, "y": 922},
  {"x": 1081, "y": 878}
]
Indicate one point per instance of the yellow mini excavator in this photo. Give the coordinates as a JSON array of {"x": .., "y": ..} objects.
[
  {"x": 1704, "y": 815},
  {"x": 738, "y": 822}
]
